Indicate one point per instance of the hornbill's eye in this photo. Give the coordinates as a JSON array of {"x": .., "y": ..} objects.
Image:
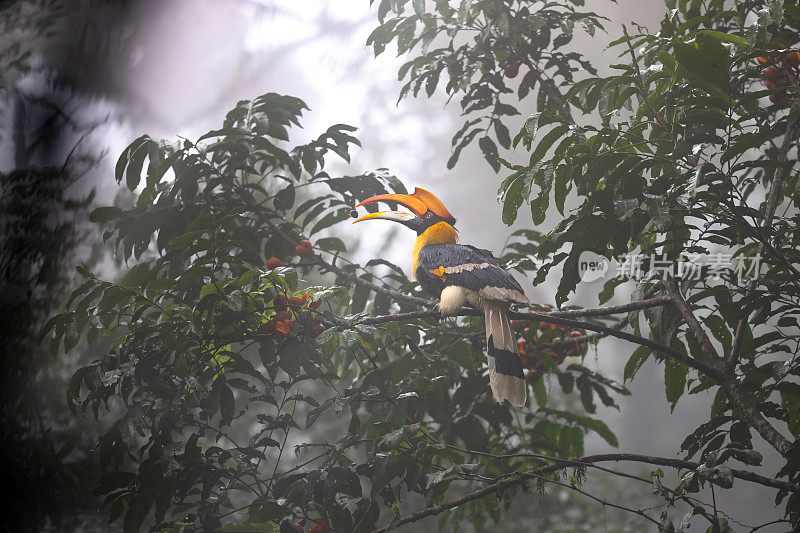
[{"x": 428, "y": 214}]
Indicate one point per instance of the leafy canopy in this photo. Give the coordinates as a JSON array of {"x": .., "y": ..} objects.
[{"x": 224, "y": 367}]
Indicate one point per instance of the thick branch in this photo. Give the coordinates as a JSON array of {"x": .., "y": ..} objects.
[
  {"x": 741, "y": 401},
  {"x": 522, "y": 477},
  {"x": 554, "y": 318}
]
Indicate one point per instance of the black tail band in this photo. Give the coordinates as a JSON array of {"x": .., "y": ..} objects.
[{"x": 505, "y": 362}]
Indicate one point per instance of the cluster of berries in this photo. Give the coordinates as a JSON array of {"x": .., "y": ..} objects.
[
  {"x": 303, "y": 249},
  {"x": 530, "y": 351},
  {"x": 777, "y": 76},
  {"x": 318, "y": 527},
  {"x": 299, "y": 309}
]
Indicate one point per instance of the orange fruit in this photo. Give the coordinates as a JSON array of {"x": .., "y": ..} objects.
[
  {"x": 274, "y": 262},
  {"x": 792, "y": 60}
]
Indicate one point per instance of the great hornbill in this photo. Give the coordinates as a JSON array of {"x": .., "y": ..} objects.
[{"x": 458, "y": 273}]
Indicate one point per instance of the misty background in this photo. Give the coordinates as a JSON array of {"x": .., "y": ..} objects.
[{"x": 95, "y": 75}]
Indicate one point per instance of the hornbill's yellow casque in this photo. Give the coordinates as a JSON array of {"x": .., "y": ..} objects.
[{"x": 458, "y": 273}]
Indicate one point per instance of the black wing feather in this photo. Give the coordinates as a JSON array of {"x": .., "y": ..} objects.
[{"x": 486, "y": 273}]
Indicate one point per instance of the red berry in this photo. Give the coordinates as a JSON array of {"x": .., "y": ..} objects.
[
  {"x": 303, "y": 251},
  {"x": 274, "y": 262},
  {"x": 317, "y": 329},
  {"x": 770, "y": 84},
  {"x": 775, "y": 98},
  {"x": 305, "y": 243},
  {"x": 792, "y": 60},
  {"x": 772, "y": 73},
  {"x": 315, "y": 304},
  {"x": 283, "y": 326}
]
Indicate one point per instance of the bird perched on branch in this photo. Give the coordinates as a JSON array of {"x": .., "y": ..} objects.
[{"x": 459, "y": 274}]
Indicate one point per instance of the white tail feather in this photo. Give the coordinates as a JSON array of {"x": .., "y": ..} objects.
[{"x": 498, "y": 328}]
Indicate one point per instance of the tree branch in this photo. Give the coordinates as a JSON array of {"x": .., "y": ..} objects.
[
  {"x": 728, "y": 383},
  {"x": 557, "y": 317},
  {"x": 521, "y": 477},
  {"x": 691, "y": 320}
]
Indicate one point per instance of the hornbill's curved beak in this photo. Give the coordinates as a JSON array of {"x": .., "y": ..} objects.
[{"x": 424, "y": 205}]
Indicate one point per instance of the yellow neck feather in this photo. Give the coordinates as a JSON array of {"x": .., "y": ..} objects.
[{"x": 439, "y": 233}]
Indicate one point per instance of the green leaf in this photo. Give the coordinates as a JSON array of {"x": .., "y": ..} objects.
[
  {"x": 540, "y": 393},
  {"x": 726, "y": 38},
  {"x": 227, "y": 405},
  {"x": 675, "y": 374},
  {"x": 705, "y": 60},
  {"x": 635, "y": 362},
  {"x": 105, "y": 214},
  {"x": 136, "y": 276},
  {"x": 489, "y": 149},
  {"x": 316, "y": 412},
  {"x": 285, "y": 198},
  {"x": 513, "y": 199}
]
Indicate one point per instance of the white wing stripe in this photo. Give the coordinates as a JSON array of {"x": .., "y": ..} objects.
[{"x": 466, "y": 266}]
